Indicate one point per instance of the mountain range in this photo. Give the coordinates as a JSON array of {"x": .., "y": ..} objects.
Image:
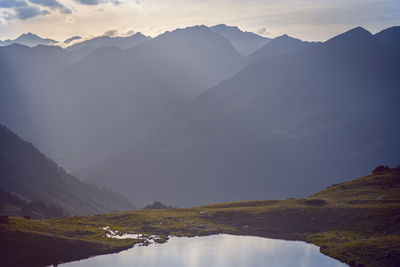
[
  {"x": 29, "y": 39},
  {"x": 208, "y": 114},
  {"x": 273, "y": 128},
  {"x": 147, "y": 82},
  {"x": 120, "y": 42}
]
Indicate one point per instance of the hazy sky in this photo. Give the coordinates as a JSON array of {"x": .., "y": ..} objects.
[{"x": 306, "y": 19}]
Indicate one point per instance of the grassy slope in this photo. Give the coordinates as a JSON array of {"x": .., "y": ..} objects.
[{"x": 357, "y": 222}]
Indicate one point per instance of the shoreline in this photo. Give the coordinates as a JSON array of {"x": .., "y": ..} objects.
[{"x": 350, "y": 222}]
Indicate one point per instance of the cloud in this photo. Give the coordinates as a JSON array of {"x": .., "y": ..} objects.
[
  {"x": 96, "y": 2},
  {"x": 130, "y": 32},
  {"x": 74, "y": 38},
  {"x": 110, "y": 33},
  {"x": 261, "y": 30},
  {"x": 7, "y": 15},
  {"x": 53, "y": 4},
  {"x": 29, "y": 12},
  {"x": 12, "y": 3},
  {"x": 19, "y": 9},
  {"x": 89, "y": 2}
]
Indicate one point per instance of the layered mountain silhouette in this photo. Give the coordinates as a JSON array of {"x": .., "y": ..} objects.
[
  {"x": 29, "y": 39},
  {"x": 244, "y": 42},
  {"x": 120, "y": 42},
  {"x": 100, "y": 103},
  {"x": 32, "y": 176},
  {"x": 390, "y": 36},
  {"x": 284, "y": 126},
  {"x": 186, "y": 119},
  {"x": 279, "y": 46}
]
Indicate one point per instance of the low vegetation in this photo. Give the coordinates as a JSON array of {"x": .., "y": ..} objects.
[
  {"x": 356, "y": 222},
  {"x": 14, "y": 205}
]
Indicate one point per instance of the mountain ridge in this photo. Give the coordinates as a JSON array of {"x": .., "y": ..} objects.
[
  {"x": 30, "y": 174},
  {"x": 120, "y": 42},
  {"x": 29, "y": 39},
  {"x": 149, "y": 81},
  {"x": 237, "y": 135},
  {"x": 280, "y": 45},
  {"x": 244, "y": 42}
]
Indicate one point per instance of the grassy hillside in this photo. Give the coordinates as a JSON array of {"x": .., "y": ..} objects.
[{"x": 357, "y": 222}]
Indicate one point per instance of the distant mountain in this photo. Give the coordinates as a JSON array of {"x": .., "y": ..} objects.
[
  {"x": 285, "y": 126},
  {"x": 30, "y": 174},
  {"x": 390, "y": 36},
  {"x": 279, "y": 46},
  {"x": 101, "y": 103},
  {"x": 29, "y": 39},
  {"x": 73, "y": 38},
  {"x": 120, "y": 42},
  {"x": 244, "y": 42},
  {"x": 23, "y": 70},
  {"x": 185, "y": 119}
]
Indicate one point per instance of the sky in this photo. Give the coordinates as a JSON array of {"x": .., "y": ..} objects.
[{"x": 305, "y": 19}]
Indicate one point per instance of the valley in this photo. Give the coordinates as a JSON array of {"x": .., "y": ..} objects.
[{"x": 356, "y": 222}]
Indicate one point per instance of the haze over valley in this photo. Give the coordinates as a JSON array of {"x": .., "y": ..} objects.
[
  {"x": 199, "y": 133},
  {"x": 207, "y": 114}
]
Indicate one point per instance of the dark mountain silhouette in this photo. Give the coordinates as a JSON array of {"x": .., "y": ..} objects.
[
  {"x": 120, "y": 42},
  {"x": 29, "y": 39},
  {"x": 298, "y": 118},
  {"x": 390, "y": 36},
  {"x": 99, "y": 104},
  {"x": 283, "y": 127},
  {"x": 279, "y": 46},
  {"x": 244, "y": 42},
  {"x": 30, "y": 174}
]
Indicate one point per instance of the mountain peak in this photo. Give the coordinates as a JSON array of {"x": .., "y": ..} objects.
[
  {"x": 359, "y": 31},
  {"x": 138, "y": 34},
  {"x": 225, "y": 27},
  {"x": 187, "y": 30},
  {"x": 244, "y": 42},
  {"x": 283, "y": 37},
  {"x": 28, "y": 35},
  {"x": 280, "y": 45},
  {"x": 356, "y": 35},
  {"x": 31, "y": 39}
]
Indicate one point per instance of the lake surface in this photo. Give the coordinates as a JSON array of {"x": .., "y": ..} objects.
[{"x": 219, "y": 251}]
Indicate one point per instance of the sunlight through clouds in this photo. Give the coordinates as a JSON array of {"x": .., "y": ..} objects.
[{"x": 307, "y": 19}]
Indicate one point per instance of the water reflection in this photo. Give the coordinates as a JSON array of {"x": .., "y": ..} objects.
[{"x": 218, "y": 251}]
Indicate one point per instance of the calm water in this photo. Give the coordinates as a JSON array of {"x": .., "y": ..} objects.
[{"x": 218, "y": 251}]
